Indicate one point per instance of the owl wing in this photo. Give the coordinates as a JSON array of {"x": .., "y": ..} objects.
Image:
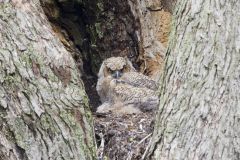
[
  {"x": 143, "y": 98},
  {"x": 139, "y": 80},
  {"x": 102, "y": 88}
]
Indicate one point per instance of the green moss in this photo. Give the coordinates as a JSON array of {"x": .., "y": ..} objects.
[
  {"x": 72, "y": 120},
  {"x": 100, "y": 6},
  {"x": 47, "y": 125},
  {"x": 68, "y": 117},
  {"x": 11, "y": 82},
  {"x": 25, "y": 59},
  {"x": 98, "y": 30},
  {"x": 6, "y": 11},
  {"x": 6, "y": 131},
  {"x": 51, "y": 76},
  {"x": 20, "y": 133},
  {"x": 30, "y": 56},
  {"x": 46, "y": 122}
]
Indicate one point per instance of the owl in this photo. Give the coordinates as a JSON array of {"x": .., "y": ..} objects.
[{"x": 122, "y": 89}]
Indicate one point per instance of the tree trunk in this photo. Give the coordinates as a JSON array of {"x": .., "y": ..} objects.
[
  {"x": 44, "y": 112},
  {"x": 99, "y": 29},
  {"x": 199, "y": 113}
]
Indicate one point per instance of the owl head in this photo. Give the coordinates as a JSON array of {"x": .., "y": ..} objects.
[{"x": 115, "y": 67}]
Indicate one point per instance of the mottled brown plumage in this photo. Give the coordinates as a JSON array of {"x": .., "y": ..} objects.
[{"x": 124, "y": 90}]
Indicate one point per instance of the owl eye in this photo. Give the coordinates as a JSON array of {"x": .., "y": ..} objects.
[
  {"x": 124, "y": 68},
  {"x": 110, "y": 71}
]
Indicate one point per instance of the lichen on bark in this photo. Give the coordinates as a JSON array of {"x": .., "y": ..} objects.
[
  {"x": 44, "y": 109},
  {"x": 198, "y": 116}
]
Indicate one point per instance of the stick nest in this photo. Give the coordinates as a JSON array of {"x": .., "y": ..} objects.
[{"x": 123, "y": 137}]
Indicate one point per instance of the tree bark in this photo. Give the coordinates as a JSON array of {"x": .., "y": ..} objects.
[
  {"x": 99, "y": 29},
  {"x": 199, "y": 113},
  {"x": 44, "y": 112}
]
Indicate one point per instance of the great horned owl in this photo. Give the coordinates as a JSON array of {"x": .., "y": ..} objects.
[
  {"x": 111, "y": 68},
  {"x": 122, "y": 89}
]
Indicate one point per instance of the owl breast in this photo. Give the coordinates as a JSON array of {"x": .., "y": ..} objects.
[{"x": 120, "y": 86}]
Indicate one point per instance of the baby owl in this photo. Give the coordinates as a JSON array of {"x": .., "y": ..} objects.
[{"x": 122, "y": 89}]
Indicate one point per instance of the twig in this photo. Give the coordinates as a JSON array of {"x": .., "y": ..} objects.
[
  {"x": 101, "y": 147},
  {"x": 129, "y": 157},
  {"x": 144, "y": 139},
  {"x": 146, "y": 151}
]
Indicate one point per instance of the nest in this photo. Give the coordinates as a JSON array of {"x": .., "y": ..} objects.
[{"x": 123, "y": 137}]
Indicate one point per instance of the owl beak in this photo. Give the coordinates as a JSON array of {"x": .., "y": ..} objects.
[{"x": 117, "y": 74}]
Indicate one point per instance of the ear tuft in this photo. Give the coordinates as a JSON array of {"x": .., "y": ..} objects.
[
  {"x": 101, "y": 70},
  {"x": 129, "y": 65}
]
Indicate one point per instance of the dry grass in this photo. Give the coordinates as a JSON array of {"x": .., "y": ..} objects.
[{"x": 123, "y": 136}]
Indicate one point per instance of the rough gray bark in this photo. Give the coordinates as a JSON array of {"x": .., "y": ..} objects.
[
  {"x": 44, "y": 111},
  {"x": 99, "y": 29},
  {"x": 199, "y": 114}
]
